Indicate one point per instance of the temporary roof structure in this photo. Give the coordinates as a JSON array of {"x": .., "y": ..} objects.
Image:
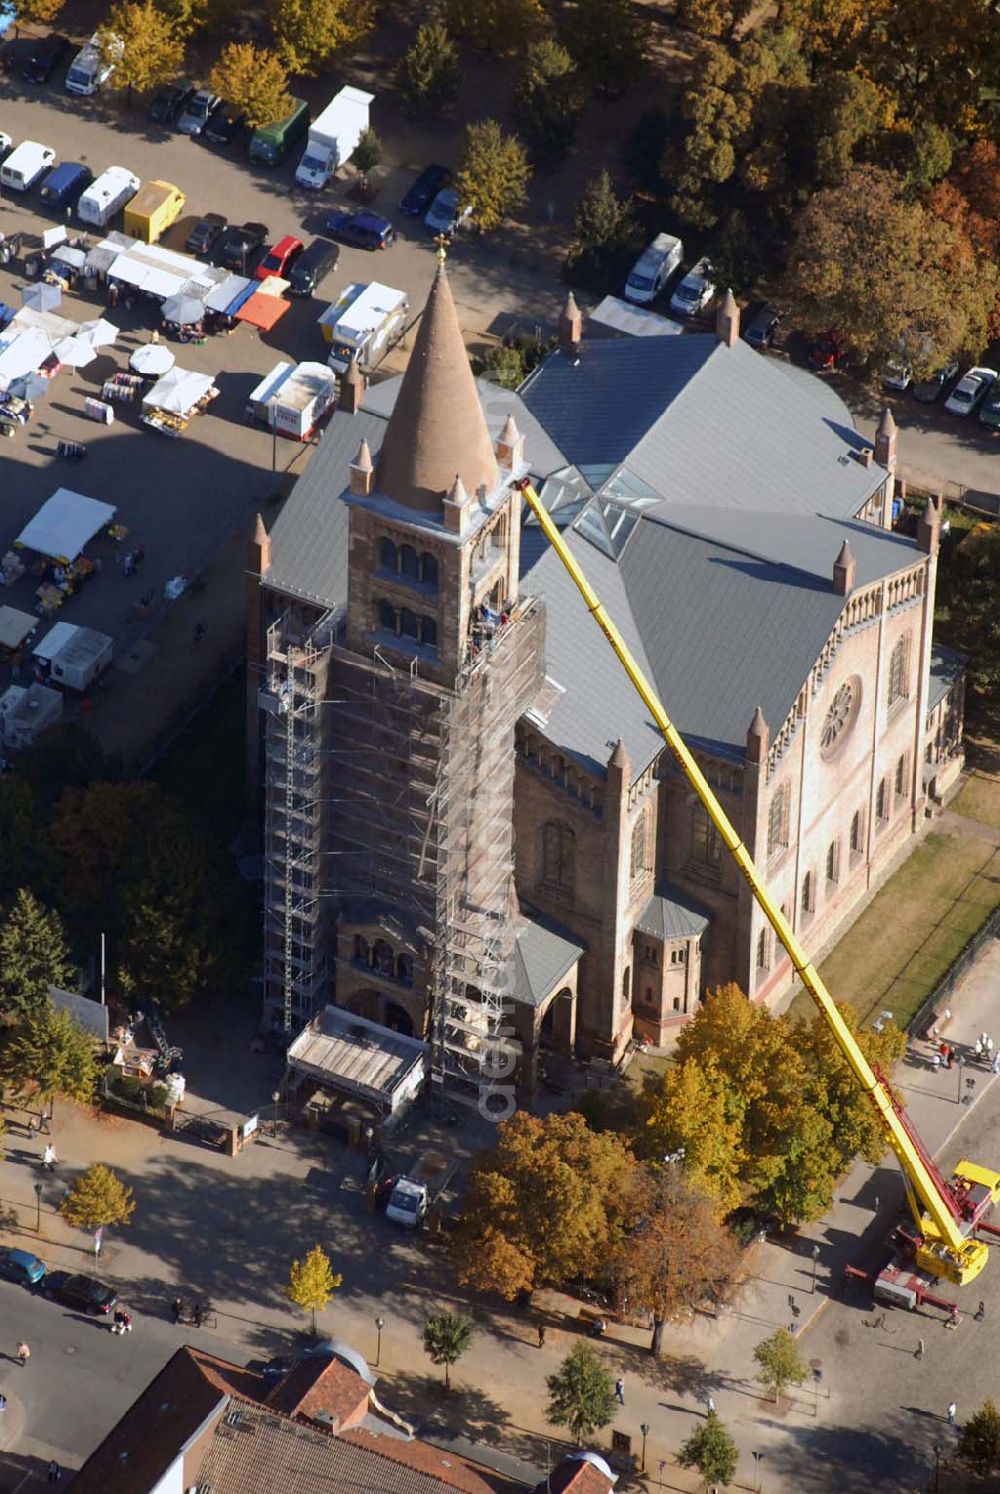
[
  {"x": 178, "y": 391},
  {"x": 15, "y": 626},
  {"x": 234, "y": 288},
  {"x": 183, "y": 310},
  {"x": 355, "y": 1057},
  {"x": 40, "y": 296},
  {"x": 73, "y": 352},
  {"x": 99, "y": 333},
  {"x": 262, "y": 310},
  {"x": 22, "y": 354},
  {"x": 64, "y": 524},
  {"x": 161, "y": 272}
]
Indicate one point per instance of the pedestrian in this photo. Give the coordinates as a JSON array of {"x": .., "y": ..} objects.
[
  {"x": 710, "y": 1405},
  {"x": 49, "y": 1158},
  {"x": 920, "y": 1349},
  {"x": 995, "y": 1066},
  {"x": 541, "y": 1335},
  {"x": 31, "y": 1130},
  {"x": 176, "y": 1310},
  {"x": 981, "y": 1313},
  {"x": 935, "y": 1061},
  {"x": 953, "y": 1320},
  {"x": 198, "y": 1314},
  {"x": 128, "y": 564},
  {"x": 113, "y": 293},
  {"x": 620, "y": 1390},
  {"x": 23, "y": 1352},
  {"x": 952, "y": 1408},
  {"x": 127, "y": 1321},
  {"x": 55, "y": 1472},
  {"x": 118, "y": 1326}
]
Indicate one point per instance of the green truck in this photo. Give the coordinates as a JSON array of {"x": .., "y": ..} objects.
[{"x": 272, "y": 143}]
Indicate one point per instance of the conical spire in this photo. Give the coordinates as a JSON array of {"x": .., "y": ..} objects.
[
  {"x": 887, "y": 425},
  {"x": 437, "y": 427},
  {"x": 363, "y": 460}
]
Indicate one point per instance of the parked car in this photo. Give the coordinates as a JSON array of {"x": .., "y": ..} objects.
[
  {"x": 761, "y": 329},
  {"x": 170, "y": 101},
  {"x": 21, "y": 1266},
  {"x": 315, "y": 262},
  {"x": 969, "y": 390},
  {"x": 64, "y": 185},
  {"x": 363, "y": 230},
  {"x": 422, "y": 192},
  {"x": 444, "y": 214},
  {"x": 44, "y": 57},
  {"x": 930, "y": 389},
  {"x": 6, "y": 144},
  {"x": 223, "y": 124},
  {"x": 694, "y": 292},
  {"x": 198, "y": 111},
  {"x": 83, "y": 1292},
  {"x": 828, "y": 351},
  {"x": 989, "y": 409},
  {"x": 238, "y": 248},
  {"x": 279, "y": 259},
  {"x": 205, "y": 232},
  {"x": 897, "y": 375}
]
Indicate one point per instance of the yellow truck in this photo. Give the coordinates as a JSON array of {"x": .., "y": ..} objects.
[{"x": 152, "y": 210}]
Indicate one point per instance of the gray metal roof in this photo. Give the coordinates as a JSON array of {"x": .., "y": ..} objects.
[
  {"x": 671, "y": 914},
  {"x": 947, "y": 668},
  {"x": 543, "y": 956}
]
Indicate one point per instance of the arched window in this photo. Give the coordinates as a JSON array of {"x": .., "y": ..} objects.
[
  {"x": 762, "y": 947},
  {"x": 361, "y": 949},
  {"x": 832, "y": 861},
  {"x": 404, "y": 969},
  {"x": 382, "y": 959},
  {"x": 898, "y": 682},
  {"x": 387, "y": 616},
  {"x": 558, "y": 856},
  {"x": 387, "y": 554},
  {"x": 429, "y": 570},
  {"x": 807, "y": 892},
  {"x": 637, "y": 854},
  {"x": 856, "y": 831},
  {"x": 409, "y": 565},
  {"x": 626, "y": 985},
  {"x": 408, "y": 623},
  {"x": 428, "y": 632},
  {"x": 882, "y": 800},
  {"x": 901, "y": 776},
  {"x": 777, "y": 821},
  {"x": 705, "y": 844}
]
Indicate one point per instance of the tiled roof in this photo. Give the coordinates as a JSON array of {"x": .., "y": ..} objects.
[
  {"x": 543, "y": 955},
  {"x": 671, "y": 914},
  {"x": 323, "y": 1390}
]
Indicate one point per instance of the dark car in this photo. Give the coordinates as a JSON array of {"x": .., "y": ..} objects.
[
  {"x": 363, "y": 230},
  {"x": 239, "y": 248},
  {"x": 422, "y": 193},
  {"x": 313, "y": 264},
  {"x": 21, "y": 1266},
  {"x": 169, "y": 101},
  {"x": 225, "y": 123},
  {"x": 205, "y": 232},
  {"x": 761, "y": 329},
  {"x": 85, "y": 1293},
  {"x": 45, "y": 57}
]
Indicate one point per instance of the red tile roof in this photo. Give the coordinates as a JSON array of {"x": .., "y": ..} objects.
[
  {"x": 449, "y": 1469},
  {"x": 321, "y": 1390}
]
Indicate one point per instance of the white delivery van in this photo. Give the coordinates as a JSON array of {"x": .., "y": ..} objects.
[
  {"x": 25, "y": 165},
  {"x": 694, "y": 292},
  {"x": 333, "y": 137},
  {"x": 107, "y": 196},
  {"x": 91, "y": 67},
  {"x": 653, "y": 269}
]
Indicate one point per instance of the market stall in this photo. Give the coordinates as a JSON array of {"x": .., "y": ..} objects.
[
  {"x": 293, "y": 398},
  {"x": 64, "y": 524},
  {"x": 175, "y": 399},
  {"x": 15, "y": 627},
  {"x": 266, "y": 305},
  {"x": 152, "y": 360}
]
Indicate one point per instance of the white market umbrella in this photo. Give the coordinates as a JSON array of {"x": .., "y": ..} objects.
[
  {"x": 32, "y": 386},
  {"x": 73, "y": 353},
  {"x": 41, "y": 297},
  {"x": 100, "y": 333},
  {"x": 183, "y": 310},
  {"x": 152, "y": 359}
]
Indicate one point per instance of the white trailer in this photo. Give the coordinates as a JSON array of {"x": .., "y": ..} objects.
[
  {"x": 107, "y": 196},
  {"x": 293, "y": 398},
  {"x": 333, "y": 137},
  {"x": 75, "y": 656},
  {"x": 361, "y": 322}
]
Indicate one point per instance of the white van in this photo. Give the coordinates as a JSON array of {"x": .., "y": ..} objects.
[
  {"x": 90, "y": 68},
  {"x": 25, "y": 165},
  {"x": 107, "y": 196},
  {"x": 694, "y": 292},
  {"x": 653, "y": 269}
]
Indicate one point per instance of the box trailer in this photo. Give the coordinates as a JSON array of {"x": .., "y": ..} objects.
[
  {"x": 293, "y": 398},
  {"x": 107, "y": 196},
  {"x": 152, "y": 210},
  {"x": 75, "y": 656},
  {"x": 271, "y": 143},
  {"x": 333, "y": 137},
  {"x": 363, "y": 321}
]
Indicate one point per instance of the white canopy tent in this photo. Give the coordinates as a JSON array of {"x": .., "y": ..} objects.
[
  {"x": 178, "y": 391},
  {"x": 64, "y": 524},
  {"x": 15, "y": 626}
]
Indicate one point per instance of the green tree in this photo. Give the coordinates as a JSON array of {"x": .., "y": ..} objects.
[
  {"x": 308, "y": 33},
  {"x": 33, "y": 956},
  {"x": 969, "y": 576},
  {"x": 979, "y": 1441},
  {"x": 711, "y": 1450},
  {"x": 20, "y": 836},
  {"x": 47, "y": 1054},
  {"x": 548, "y": 100},
  {"x": 98, "y": 1199},
  {"x": 143, "y": 43},
  {"x": 780, "y": 1362},
  {"x": 505, "y": 366},
  {"x": 608, "y": 41},
  {"x": 429, "y": 75},
  {"x": 312, "y": 1282},
  {"x": 848, "y": 110},
  {"x": 367, "y": 153},
  {"x": 493, "y": 174},
  {"x": 581, "y": 1394},
  {"x": 497, "y": 25},
  {"x": 255, "y": 81},
  {"x": 601, "y": 220},
  {"x": 447, "y": 1335},
  {"x": 545, "y": 1205}
]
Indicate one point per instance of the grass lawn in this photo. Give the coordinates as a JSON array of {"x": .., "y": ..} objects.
[
  {"x": 916, "y": 925},
  {"x": 980, "y": 799}
]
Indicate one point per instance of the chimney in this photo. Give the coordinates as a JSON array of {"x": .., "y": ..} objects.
[
  {"x": 362, "y": 471},
  {"x": 866, "y": 456},
  {"x": 885, "y": 440},
  {"x": 510, "y": 446},
  {"x": 352, "y": 389},
  {"x": 259, "y": 556},
  {"x": 758, "y": 738},
  {"x": 844, "y": 568},
  {"x": 929, "y": 526},
  {"x": 727, "y": 320},
  {"x": 570, "y": 325},
  {"x": 456, "y": 507}
]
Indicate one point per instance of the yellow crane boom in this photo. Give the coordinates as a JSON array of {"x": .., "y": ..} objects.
[{"x": 949, "y": 1250}]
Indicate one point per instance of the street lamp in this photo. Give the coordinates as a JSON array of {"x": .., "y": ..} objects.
[
  {"x": 757, "y": 1459},
  {"x": 815, "y": 1264},
  {"x": 644, "y": 1429},
  {"x": 38, "y": 1208},
  {"x": 379, "y": 1325},
  {"x": 937, "y": 1467},
  {"x": 275, "y": 1099}
]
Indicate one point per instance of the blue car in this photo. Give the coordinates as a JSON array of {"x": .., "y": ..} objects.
[
  {"x": 21, "y": 1266},
  {"x": 363, "y": 230}
]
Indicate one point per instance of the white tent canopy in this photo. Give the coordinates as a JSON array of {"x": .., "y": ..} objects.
[
  {"x": 15, "y": 626},
  {"x": 64, "y": 524},
  {"x": 178, "y": 391}
]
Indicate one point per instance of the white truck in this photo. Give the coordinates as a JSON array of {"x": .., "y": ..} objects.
[
  {"x": 417, "y": 1190},
  {"x": 93, "y": 65},
  {"x": 653, "y": 269},
  {"x": 107, "y": 196},
  {"x": 333, "y": 137},
  {"x": 361, "y": 322},
  {"x": 75, "y": 656}
]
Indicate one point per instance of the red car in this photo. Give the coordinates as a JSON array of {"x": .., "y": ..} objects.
[
  {"x": 828, "y": 351},
  {"x": 279, "y": 259}
]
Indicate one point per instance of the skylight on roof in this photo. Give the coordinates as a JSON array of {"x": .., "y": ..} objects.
[
  {"x": 627, "y": 488},
  {"x": 607, "y": 525},
  {"x": 563, "y": 494}
]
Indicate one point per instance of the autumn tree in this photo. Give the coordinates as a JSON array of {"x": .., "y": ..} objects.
[
  {"x": 924, "y": 52},
  {"x": 33, "y": 956},
  {"x": 255, "y": 81},
  {"x": 308, "y": 33},
  {"x": 21, "y": 838},
  {"x": 367, "y": 153},
  {"x": 446, "y": 1337},
  {"x": 496, "y": 25},
  {"x": 548, "y": 100},
  {"x": 608, "y": 42},
  {"x": 47, "y": 1054},
  {"x": 967, "y": 591},
  {"x": 97, "y": 1199},
  {"x": 711, "y": 1450},
  {"x": 894, "y": 278},
  {"x": 143, "y": 43},
  {"x": 545, "y": 1205},
  {"x": 429, "y": 75},
  {"x": 312, "y": 1282},
  {"x": 36, "y": 13},
  {"x": 979, "y": 1441},
  {"x": 581, "y": 1394},
  {"x": 714, "y": 18},
  {"x": 780, "y": 1362},
  {"x": 493, "y": 174}
]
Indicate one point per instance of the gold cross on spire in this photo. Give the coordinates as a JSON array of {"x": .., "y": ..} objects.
[{"x": 442, "y": 241}]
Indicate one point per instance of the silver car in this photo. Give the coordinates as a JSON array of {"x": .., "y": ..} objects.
[{"x": 198, "y": 112}]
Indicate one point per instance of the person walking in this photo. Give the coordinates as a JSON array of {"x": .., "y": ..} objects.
[
  {"x": 49, "y": 1158},
  {"x": 23, "y": 1353},
  {"x": 919, "y": 1354},
  {"x": 541, "y": 1335},
  {"x": 710, "y": 1405},
  {"x": 176, "y": 1310},
  {"x": 620, "y": 1390},
  {"x": 55, "y": 1472},
  {"x": 952, "y": 1409},
  {"x": 995, "y": 1066}
]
